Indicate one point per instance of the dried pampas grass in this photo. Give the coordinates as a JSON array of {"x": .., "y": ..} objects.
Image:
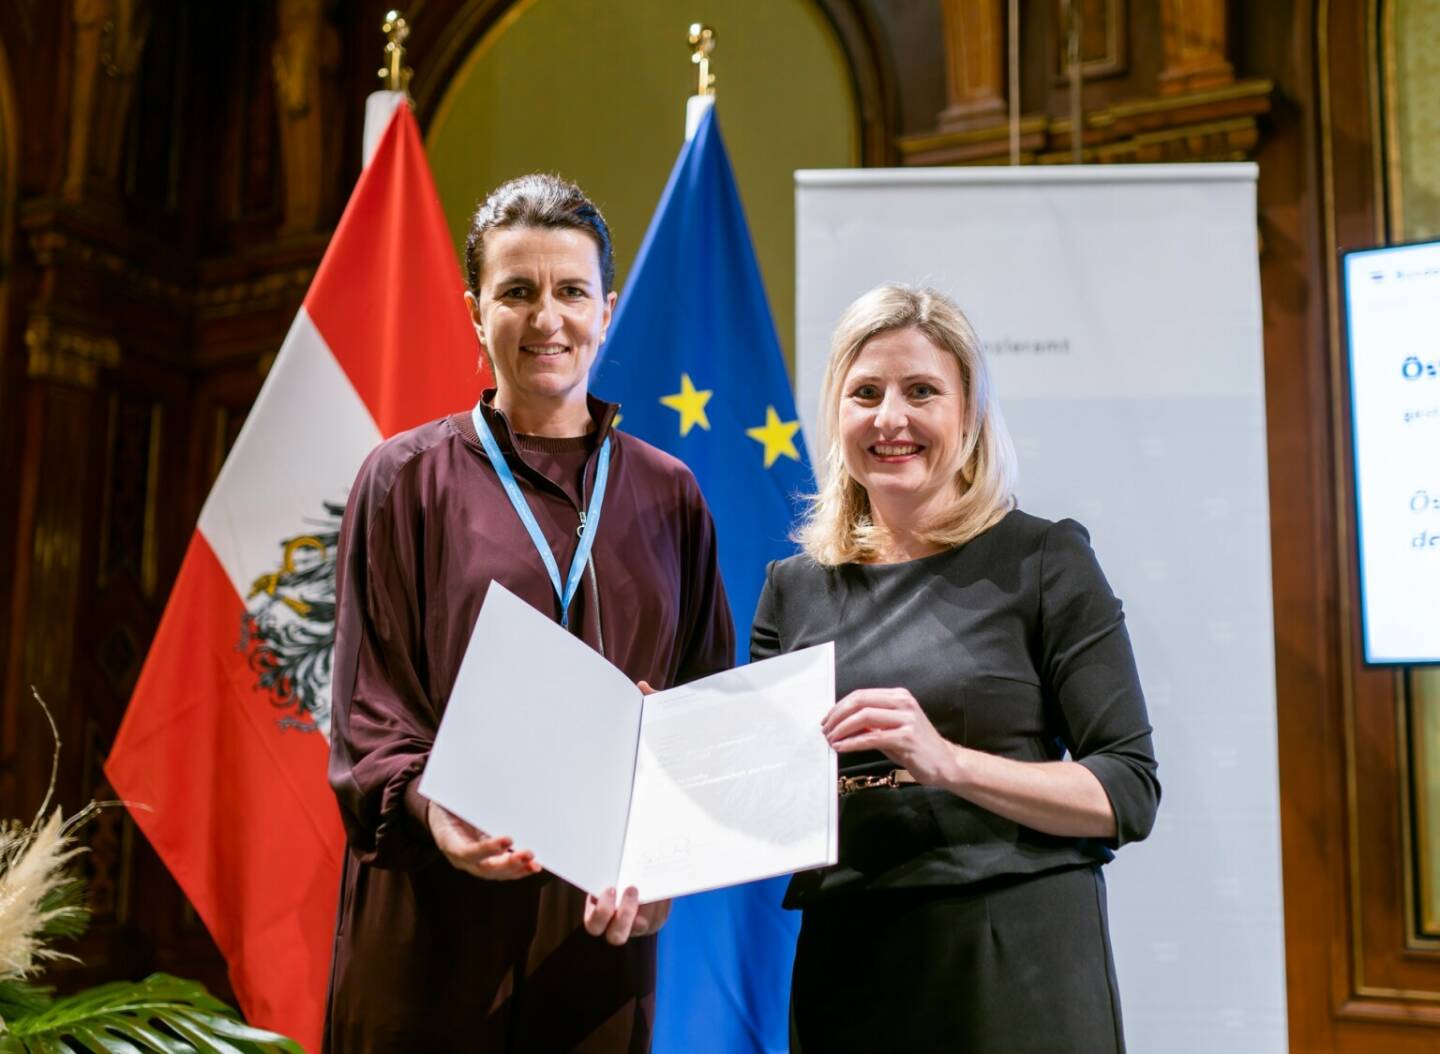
[
  {"x": 39, "y": 898},
  {"x": 34, "y": 905}
]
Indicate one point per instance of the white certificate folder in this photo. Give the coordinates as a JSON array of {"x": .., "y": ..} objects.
[{"x": 721, "y": 781}]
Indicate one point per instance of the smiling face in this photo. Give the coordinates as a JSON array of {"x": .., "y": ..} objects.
[
  {"x": 900, "y": 424},
  {"x": 541, "y": 313}
]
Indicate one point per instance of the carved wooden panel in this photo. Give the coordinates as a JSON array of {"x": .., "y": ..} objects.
[
  {"x": 1176, "y": 101},
  {"x": 1104, "y": 39}
]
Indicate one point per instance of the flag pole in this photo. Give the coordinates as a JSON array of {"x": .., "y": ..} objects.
[
  {"x": 395, "y": 84},
  {"x": 395, "y": 75},
  {"x": 701, "y": 39}
]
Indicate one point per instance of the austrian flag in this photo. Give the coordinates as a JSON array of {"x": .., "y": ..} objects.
[{"x": 225, "y": 739}]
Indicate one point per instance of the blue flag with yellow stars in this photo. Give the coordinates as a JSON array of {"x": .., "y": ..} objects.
[{"x": 693, "y": 359}]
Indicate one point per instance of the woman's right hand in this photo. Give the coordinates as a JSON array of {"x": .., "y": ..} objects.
[{"x": 475, "y": 852}]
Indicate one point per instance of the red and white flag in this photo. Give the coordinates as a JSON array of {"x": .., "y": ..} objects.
[{"x": 225, "y": 738}]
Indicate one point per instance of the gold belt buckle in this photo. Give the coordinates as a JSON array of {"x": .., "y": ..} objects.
[{"x": 851, "y": 784}]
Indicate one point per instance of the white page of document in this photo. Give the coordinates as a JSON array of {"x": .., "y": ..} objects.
[
  {"x": 734, "y": 780},
  {"x": 538, "y": 742},
  {"x": 725, "y": 780}
]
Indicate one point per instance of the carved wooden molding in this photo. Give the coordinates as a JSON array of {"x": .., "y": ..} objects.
[
  {"x": 63, "y": 243},
  {"x": 67, "y": 355},
  {"x": 238, "y": 298},
  {"x": 974, "y": 62},
  {"x": 58, "y": 250},
  {"x": 1215, "y": 125}
]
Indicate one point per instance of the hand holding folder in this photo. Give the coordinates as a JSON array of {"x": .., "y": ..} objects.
[{"x": 725, "y": 780}]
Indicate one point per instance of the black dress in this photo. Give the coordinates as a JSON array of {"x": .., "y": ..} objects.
[{"x": 945, "y": 926}]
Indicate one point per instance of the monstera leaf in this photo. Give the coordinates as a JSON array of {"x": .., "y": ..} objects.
[
  {"x": 159, "y": 1015},
  {"x": 42, "y": 899}
]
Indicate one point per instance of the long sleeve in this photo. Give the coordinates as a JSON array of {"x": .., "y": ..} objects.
[
  {"x": 382, "y": 721},
  {"x": 707, "y": 631},
  {"x": 1089, "y": 672},
  {"x": 765, "y": 630}
]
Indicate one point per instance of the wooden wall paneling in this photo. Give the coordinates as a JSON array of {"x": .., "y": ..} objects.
[
  {"x": 1195, "y": 45},
  {"x": 1341, "y": 790},
  {"x": 1207, "y": 117},
  {"x": 1104, "y": 40},
  {"x": 1043, "y": 36},
  {"x": 63, "y": 417},
  {"x": 975, "y": 63},
  {"x": 12, "y": 373},
  {"x": 108, "y": 40},
  {"x": 305, "y": 60},
  {"x": 1390, "y": 978},
  {"x": 1297, "y": 389},
  {"x": 1419, "y": 819}
]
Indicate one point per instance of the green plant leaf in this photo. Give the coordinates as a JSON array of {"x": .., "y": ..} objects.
[
  {"x": 232, "y": 1028},
  {"x": 46, "y": 1045},
  {"x": 149, "y": 1039},
  {"x": 97, "y": 1039},
  {"x": 161, "y": 1014},
  {"x": 18, "y": 999}
]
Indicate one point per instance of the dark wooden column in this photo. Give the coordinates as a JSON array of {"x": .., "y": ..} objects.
[
  {"x": 975, "y": 66},
  {"x": 1194, "y": 35}
]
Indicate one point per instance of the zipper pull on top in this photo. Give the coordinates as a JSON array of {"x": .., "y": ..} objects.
[{"x": 580, "y": 530}]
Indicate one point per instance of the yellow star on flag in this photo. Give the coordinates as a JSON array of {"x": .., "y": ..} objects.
[
  {"x": 690, "y": 404},
  {"x": 777, "y": 435}
]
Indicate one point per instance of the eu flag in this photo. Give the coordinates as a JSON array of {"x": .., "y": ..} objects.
[{"x": 693, "y": 359}]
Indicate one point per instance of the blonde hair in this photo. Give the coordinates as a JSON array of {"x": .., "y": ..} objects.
[{"x": 838, "y": 527}]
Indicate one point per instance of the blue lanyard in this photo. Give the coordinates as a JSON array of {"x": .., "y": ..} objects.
[{"x": 589, "y": 519}]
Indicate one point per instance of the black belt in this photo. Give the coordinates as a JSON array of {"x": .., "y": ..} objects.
[{"x": 893, "y": 778}]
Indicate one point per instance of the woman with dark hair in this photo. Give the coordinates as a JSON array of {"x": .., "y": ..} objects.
[
  {"x": 994, "y": 743},
  {"x": 450, "y": 938}
]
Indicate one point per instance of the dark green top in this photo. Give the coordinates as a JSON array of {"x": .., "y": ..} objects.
[{"x": 1013, "y": 644}]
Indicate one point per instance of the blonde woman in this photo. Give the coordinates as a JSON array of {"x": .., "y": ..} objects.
[{"x": 994, "y": 742}]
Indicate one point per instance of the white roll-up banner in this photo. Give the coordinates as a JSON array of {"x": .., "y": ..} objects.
[{"x": 1120, "y": 308}]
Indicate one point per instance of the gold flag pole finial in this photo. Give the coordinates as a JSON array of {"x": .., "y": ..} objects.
[
  {"x": 395, "y": 74},
  {"x": 702, "y": 44}
]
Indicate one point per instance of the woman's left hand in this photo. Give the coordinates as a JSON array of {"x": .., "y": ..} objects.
[
  {"x": 890, "y": 720},
  {"x": 619, "y": 919}
]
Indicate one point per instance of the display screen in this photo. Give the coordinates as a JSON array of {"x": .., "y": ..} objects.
[{"x": 1392, "y": 302}]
